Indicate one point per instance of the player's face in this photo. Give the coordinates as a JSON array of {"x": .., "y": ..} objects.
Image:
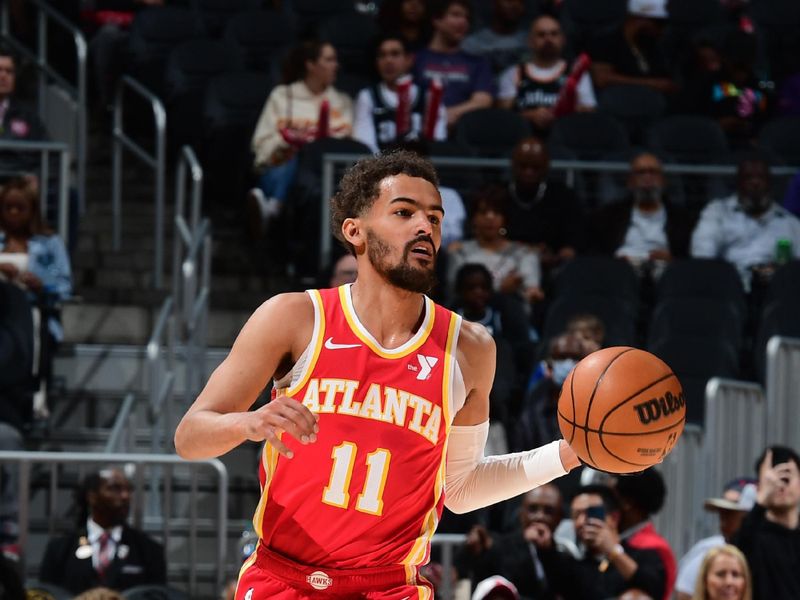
[
  {"x": 725, "y": 579},
  {"x": 392, "y": 61},
  {"x": 404, "y": 231}
]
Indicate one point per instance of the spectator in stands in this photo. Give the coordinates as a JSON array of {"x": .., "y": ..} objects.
[
  {"x": 537, "y": 421},
  {"x": 745, "y": 227},
  {"x": 738, "y": 99},
  {"x": 589, "y": 328},
  {"x": 506, "y": 321},
  {"x": 345, "y": 270},
  {"x": 18, "y": 122},
  {"x": 644, "y": 228},
  {"x": 513, "y": 555},
  {"x": 513, "y": 265},
  {"x": 641, "y": 497},
  {"x": 103, "y": 550},
  {"x": 631, "y": 54},
  {"x": 409, "y": 19},
  {"x": 770, "y": 533},
  {"x": 610, "y": 565},
  {"x": 107, "y": 24},
  {"x": 543, "y": 212},
  {"x": 466, "y": 79},
  {"x": 737, "y": 500},
  {"x": 724, "y": 575},
  {"x": 305, "y": 107},
  {"x": 100, "y": 593},
  {"x": 377, "y": 119},
  {"x": 495, "y": 587},
  {"x": 11, "y": 587},
  {"x": 533, "y": 87},
  {"x": 503, "y": 41}
]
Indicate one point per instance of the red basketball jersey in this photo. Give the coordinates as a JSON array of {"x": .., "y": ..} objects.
[{"x": 369, "y": 492}]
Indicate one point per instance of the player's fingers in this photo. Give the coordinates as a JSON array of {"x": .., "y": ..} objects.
[
  {"x": 291, "y": 422},
  {"x": 276, "y": 443},
  {"x": 309, "y": 418}
]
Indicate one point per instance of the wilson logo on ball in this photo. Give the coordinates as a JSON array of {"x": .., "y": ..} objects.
[{"x": 654, "y": 409}]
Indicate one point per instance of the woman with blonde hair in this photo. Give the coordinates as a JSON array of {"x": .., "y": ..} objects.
[{"x": 724, "y": 575}]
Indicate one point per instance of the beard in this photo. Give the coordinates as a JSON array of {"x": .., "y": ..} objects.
[
  {"x": 402, "y": 275},
  {"x": 648, "y": 195}
]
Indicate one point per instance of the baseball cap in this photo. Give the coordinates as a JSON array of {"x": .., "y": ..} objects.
[
  {"x": 498, "y": 584},
  {"x": 651, "y": 9},
  {"x": 742, "y": 488}
]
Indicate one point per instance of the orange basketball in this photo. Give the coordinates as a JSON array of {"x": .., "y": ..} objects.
[{"x": 621, "y": 409}]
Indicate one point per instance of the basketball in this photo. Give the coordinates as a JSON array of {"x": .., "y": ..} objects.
[{"x": 621, "y": 409}]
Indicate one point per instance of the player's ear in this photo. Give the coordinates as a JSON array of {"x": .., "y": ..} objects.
[{"x": 353, "y": 232}]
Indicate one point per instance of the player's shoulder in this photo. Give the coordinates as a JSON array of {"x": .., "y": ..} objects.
[
  {"x": 475, "y": 342},
  {"x": 288, "y": 308}
]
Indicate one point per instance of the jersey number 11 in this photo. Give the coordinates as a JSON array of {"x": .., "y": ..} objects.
[{"x": 337, "y": 493}]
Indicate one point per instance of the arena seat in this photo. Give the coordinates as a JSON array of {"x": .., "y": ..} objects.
[
  {"x": 635, "y": 106},
  {"x": 590, "y": 136},
  {"x": 352, "y": 35},
  {"x": 689, "y": 138},
  {"x": 190, "y": 67},
  {"x": 262, "y": 35},
  {"x": 781, "y": 136},
  {"x": 785, "y": 284},
  {"x": 703, "y": 278},
  {"x": 696, "y": 318},
  {"x": 779, "y": 317},
  {"x": 491, "y": 131},
  {"x": 696, "y": 360},
  {"x": 598, "y": 276},
  {"x": 216, "y": 13},
  {"x": 154, "y": 33},
  {"x": 618, "y": 316},
  {"x": 154, "y": 592}
]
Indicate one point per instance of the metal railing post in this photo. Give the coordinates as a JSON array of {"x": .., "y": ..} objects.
[{"x": 156, "y": 161}]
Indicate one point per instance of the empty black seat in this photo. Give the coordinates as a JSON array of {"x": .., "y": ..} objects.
[
  {"x": 695, "y": 361},
  {"x": 352, "y": 35},
  {"x": 598, "y": 276},
  {"x": 216, "y": 13},
  {"x": 696, "y": 318},
  {"x": 590, "y": 136},
  {"x": 262, "y": 35},
  {"x": 617, "y": 315},
  {"x": 779, "y": 317},
  {"x": 635, "y": 106},
  {"x": 781, "y": 136},
  {"x": 154, "y": 592},
  {"x": 309, "y": 13},
  {"x": 785, "y": 284},
  {"x": 491, "y": 131},
  {"x": 689, "y": 138},
  {"x": 154, "y": 33},
  {"x": 703, "y": 278}
]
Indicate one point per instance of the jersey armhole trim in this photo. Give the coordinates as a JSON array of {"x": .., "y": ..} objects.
[{"x": 315, "y": 343}]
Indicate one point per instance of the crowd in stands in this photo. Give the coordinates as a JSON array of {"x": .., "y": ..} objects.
[{"x": 640, "y": 82}]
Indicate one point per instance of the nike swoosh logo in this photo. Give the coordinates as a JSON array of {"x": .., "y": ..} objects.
[{"x": 331, "y": 346}]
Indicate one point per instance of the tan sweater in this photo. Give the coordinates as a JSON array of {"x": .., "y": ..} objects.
[{"x": 295, "y": 107}]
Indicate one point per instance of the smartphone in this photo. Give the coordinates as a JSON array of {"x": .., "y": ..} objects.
[{"x": 596, "y": 512}]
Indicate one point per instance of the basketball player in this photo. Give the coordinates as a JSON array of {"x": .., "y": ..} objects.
[{"x": 383, "y": 412}]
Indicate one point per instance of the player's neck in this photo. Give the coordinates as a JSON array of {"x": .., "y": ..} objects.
[{"x": 390, "y": 314}]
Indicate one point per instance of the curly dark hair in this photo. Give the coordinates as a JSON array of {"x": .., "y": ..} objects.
[{"x": 359, "y": 187}]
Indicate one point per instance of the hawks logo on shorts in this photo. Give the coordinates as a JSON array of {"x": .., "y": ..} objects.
[{"x": 369, "y": 492}]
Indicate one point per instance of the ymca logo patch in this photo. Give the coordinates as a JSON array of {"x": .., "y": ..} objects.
[
  {"x": 319, "y": 580},
  {"x": 426, "y": 364}
]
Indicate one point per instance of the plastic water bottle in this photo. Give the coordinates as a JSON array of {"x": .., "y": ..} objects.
[{"x": 783, "y": 251}]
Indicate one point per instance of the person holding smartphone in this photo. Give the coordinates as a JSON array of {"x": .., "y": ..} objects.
[{"x": 609, "y": 566}]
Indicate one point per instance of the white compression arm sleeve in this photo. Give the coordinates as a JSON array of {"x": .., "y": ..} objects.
[{"x": 474, "y": 481}]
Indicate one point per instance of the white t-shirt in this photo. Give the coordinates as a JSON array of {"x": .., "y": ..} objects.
[
  {"x": 454, "y": 216},
  {"x": 645, "y": 234},
  {"x": 509, "y": 81}
]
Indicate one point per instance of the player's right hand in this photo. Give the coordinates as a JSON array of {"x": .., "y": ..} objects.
[{"x": 282, "y": 414}]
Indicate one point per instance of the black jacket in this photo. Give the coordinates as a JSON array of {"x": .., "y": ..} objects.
[
  {"x": 609, "y": 225},
  {"x": 20, "y": 124},
  {"x": 143, "y": 564}
]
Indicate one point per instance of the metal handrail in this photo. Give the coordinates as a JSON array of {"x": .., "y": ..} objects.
[
  {"x": 156, "y": 161},
  {"x": 329, "y": 160},
  {"x": 124, "y": 421},
  {"x": 160, "y": 387},
  {"x": 25, "y": 460},
  {"x": 77, "y": 90},
  {"x": 47, "y": 148},
  {"x": 447, "y": 541},
  {"x": 780, "y": 424}
]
